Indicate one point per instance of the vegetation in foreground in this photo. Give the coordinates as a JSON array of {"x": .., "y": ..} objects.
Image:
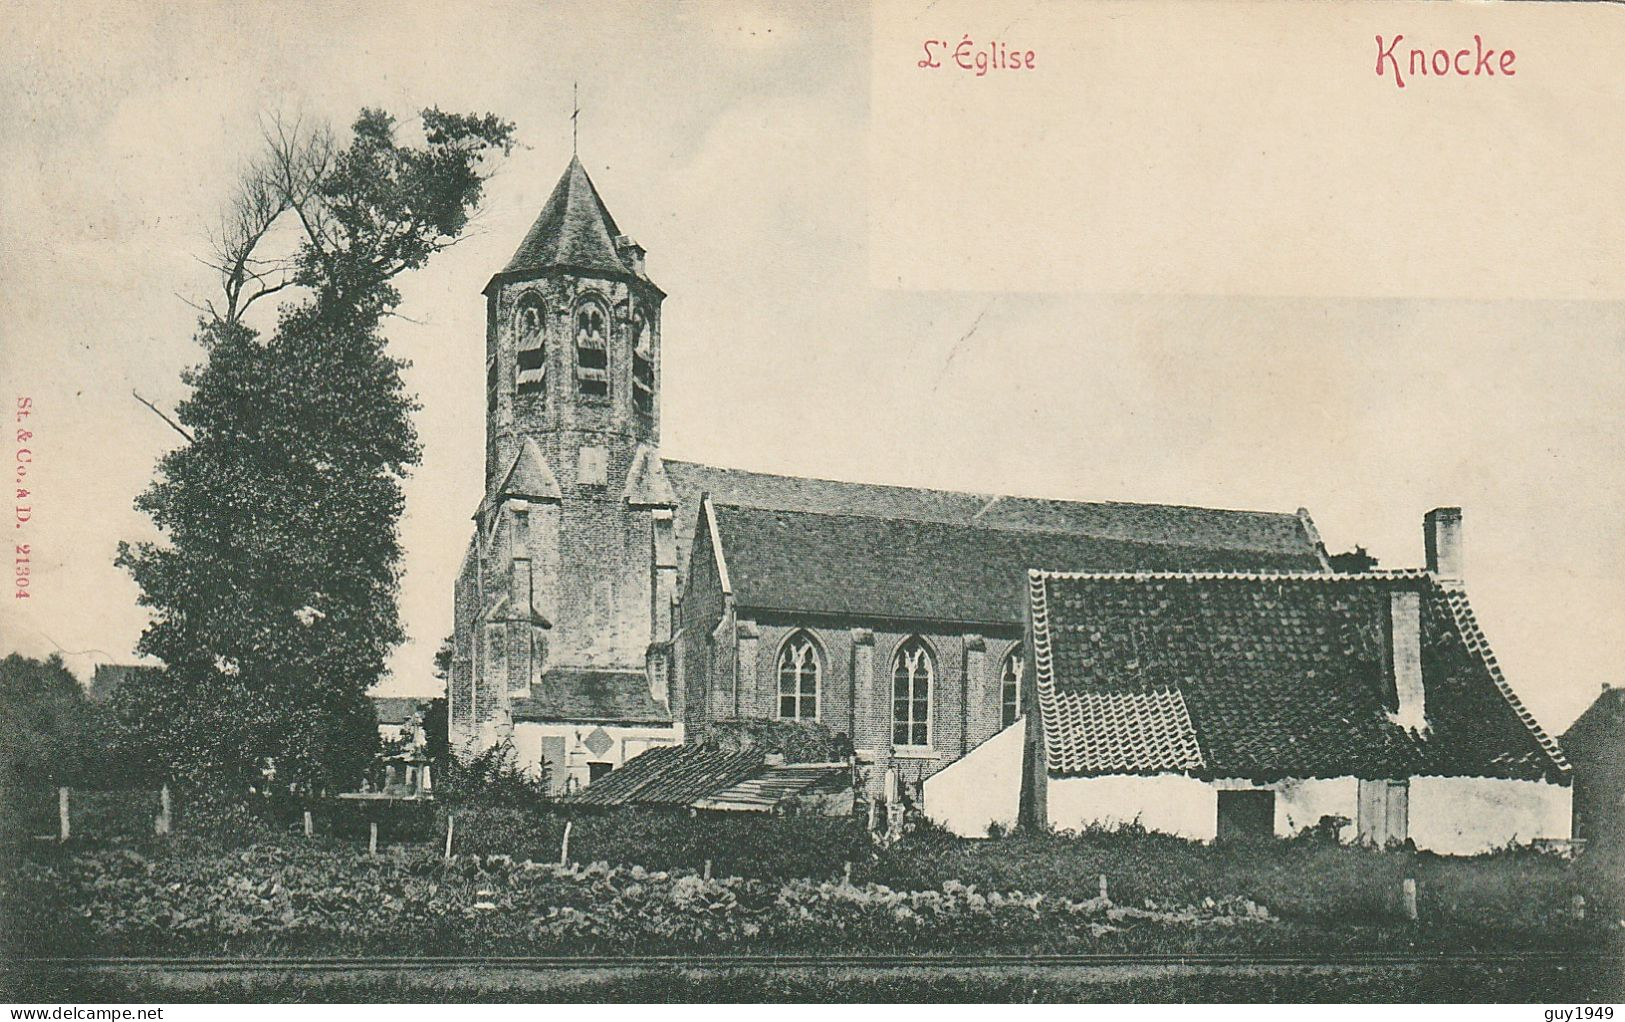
[{"x": 290, "y": 896}]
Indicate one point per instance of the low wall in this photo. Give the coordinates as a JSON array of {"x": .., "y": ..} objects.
[
  {"x": 1302, "y": 803},
  {"x": 1164, "y": 803},
  {"x": 1471, "y": 815},
  {"x": 983, "y": 788}
]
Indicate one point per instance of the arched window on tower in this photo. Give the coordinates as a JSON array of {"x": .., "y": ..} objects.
[
  {"x": 1015, "y": 663},
  {"x": 491, "y": 378},
  {"x": 592, "y": 351},
  {"x": 914, "y": 673},
  {"x": 531, "y": 347},
  {"x": 799, "y": 675},
  {"x": 643, "y": 365}
]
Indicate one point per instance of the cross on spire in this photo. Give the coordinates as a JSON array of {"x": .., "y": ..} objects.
[{"x": 575, "y": 115}]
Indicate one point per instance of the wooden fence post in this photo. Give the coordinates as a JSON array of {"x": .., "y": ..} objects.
[
  {"x": 1408, "y": 895},
  {"x": 564, "y": 847},
  {"x": 63, "y": 828},
  {"x": 162, "y": 826},
  {"x": 310, "y": 825},
  {"x": 451, "y": 826},
  {"x": 372, "y": 838}
]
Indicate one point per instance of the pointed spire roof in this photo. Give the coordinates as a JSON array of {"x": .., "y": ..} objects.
[
  {"x": 574, "y": 230},
  {"x": 528, "y": 476},
  {"x": 646, "y": 482}
]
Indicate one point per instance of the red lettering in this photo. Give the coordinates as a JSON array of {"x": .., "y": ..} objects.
[
  {"x": 1436, "y": 68},
  {"x": 1382, "y": 55},
  {"x": 1460, "y": 54},
  {"x": 1483, "y": 65},
  {"x": 1507, "y": 57}
]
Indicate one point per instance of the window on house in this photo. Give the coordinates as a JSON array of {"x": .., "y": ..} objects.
[
  {"x": 531, "y": 349},
  {"x": 643, "y": 367},
  {"x": 798, "y": 679},
  {"x": 1014, "y": 664},
  {"x": 592, "y": 352},
  {"x": 1246, "y": 814},
  {"x": 491, "y": 385},
  {"x": 597, "y": 770},
  {"x": 913, "y": 674}
]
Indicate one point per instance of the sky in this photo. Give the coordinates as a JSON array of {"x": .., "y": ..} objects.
[{"x": 823, "y": 319}]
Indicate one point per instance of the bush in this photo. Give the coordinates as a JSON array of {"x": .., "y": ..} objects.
[{"x": 491, "y": 777}]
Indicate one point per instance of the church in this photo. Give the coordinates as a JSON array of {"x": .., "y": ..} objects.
[
  {"x": 612, "y": 601},
  {"x": 583, "y": 636}
]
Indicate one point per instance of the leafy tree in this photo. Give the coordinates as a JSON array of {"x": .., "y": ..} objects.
[
  {"x": 54, "y": 734},
  {"x": 273, "y": 596},
  {"x": 437, "y": 743},
  {"x": 1352, "y": 562}
]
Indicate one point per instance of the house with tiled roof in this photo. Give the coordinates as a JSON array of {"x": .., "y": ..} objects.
[
  {"x": 1595, "y": 744},
  {"x": 611, "y": 599},
  {"x": 1211, "y": 704}
]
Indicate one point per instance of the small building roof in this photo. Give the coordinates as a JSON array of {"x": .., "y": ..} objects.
[
  {"x": 590, "y": 695},
  {"x": 1599, "y": 733},
  {"x": 1268, "y": 676},
  {"x": 674, "y": 776},
  {"x": 898, "y": 568},
  {"x": 397, "y": 710},
  {"x": 707, "y": 777}
]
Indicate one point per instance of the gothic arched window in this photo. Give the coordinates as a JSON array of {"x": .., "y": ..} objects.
[
  {"x": 592, "y": 350},
  {"x": 531, "y": 346},
  {"x": 643, "y": 365},
  {"x": 1010, "y": 680},
  {"x": 799, "y": 675},
  {"x": 914, "y": 673}
]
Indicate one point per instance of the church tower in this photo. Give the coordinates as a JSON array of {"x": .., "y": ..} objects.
[{"x": 569, "y": 580}]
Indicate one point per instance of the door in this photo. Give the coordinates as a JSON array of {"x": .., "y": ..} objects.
[
  {"x": 1246, "y": 814},
  {"x": 1384, "y": 813}
]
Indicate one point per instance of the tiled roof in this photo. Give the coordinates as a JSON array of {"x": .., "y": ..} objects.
[
  {"x": 1274, "y": 535},
  {"x": 771, "y": 785},
  {"x": 573, "y": 230},
  {"x": 1280, "y": 676},
  {"x": 1125, "y": 733},
  {"x": 587, "y": 695},
  {"x": 1599, "y": 732},
  {"x": 853, "y": 565},
  {"x": 397, "y": 709},
  {"x": 675, "y": 776}
]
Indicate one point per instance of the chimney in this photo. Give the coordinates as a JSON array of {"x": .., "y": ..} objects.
[
  {"x": 1405, "y": 641},
  {"x": 1441, "y": 534}
]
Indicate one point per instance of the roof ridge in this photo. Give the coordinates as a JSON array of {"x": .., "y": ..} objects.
[
  {"x": 1043, "y": 663},
  {"x": 1239, "y": 576},
  {"x": 1478, "y": 644},
  {"x": 973, "y": 524},
  {"x": 990, "y": 499}
]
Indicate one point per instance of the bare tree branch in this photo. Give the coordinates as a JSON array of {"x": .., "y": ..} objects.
[{"x": 172, "y": 423}]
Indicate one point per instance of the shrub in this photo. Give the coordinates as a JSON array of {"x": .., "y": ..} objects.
[{"x": 492, "y": 777}]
